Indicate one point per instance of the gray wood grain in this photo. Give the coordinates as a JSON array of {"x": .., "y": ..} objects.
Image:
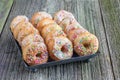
[
  {"x": 90, "y": 15},
  {"x": 110, "y": 10}
]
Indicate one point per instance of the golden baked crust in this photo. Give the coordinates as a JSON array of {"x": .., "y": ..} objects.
[
  {"x": 73, "y": 34},
  {"x": 35, "y": 53},
  {"x": 17, "y": 20},
  {"x": 86, "y": 44},
  {"x": 60, "y": 15},
  {"x": 25, "y": 32},
  {"x": 48, "y": 28},
  {"x": 34, "y": 50},
  {"x": 38, "y": 16},
  {"x": 53, "y": 34},
  {"x": 43, "y": 23},
  {"x": 21, "y": 26},
  {"x": 60, "y": 48},
  {"x": 31, "y": 38}
]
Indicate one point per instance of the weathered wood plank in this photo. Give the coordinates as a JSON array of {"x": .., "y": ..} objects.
[
  {"x": 110, "y": 10},
  {"x": 92, "y": 21},
  {"x": 5, "y": 6},
  {"x": 87, "y": 12}
]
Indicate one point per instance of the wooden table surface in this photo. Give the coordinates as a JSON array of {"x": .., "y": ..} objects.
[{"x": 100, "y": 17}]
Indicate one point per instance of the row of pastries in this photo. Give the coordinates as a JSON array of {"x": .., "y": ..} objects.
[{"x": 56, "y": 37}]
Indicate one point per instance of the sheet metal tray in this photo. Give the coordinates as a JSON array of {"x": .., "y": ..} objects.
[{"x": 50, "y": 62}]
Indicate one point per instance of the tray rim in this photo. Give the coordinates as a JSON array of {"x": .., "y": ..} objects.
[
  {"x": 33, "y": 68},
  {"x": 73, "y": 59}
]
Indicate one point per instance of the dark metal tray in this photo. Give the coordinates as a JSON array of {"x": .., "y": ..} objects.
[{"x": 50, "y": 62}]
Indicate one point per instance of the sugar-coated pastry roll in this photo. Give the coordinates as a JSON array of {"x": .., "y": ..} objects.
[
  {"x": 62, "y": 14},
  {"x": 34, "y": 50},
  {"x": 53, "y": 34},
  {"x": 39, "y": 16},
  {"x": 48, "y": 28},
  {"x": 17, "y": 20},
  {"x": 73, "y": 34},
  {"x": 72, "y": 27},
  {"x": 66, "y": 22},
  {"x": 35, "y": 53},
  {"x": 21, "y": 26},
  {"x": 41, "y": 24},
  {"x": 86, "y": 44},
  {"x": 31, "y": 38},
  {"x": 25, "y": 32},
  {"x": 60, "y": 48},
  {"x": 83, "y": 41}
]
